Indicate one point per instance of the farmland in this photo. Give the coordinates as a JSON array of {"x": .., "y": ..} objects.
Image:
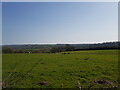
[{"x": 73, "y": 69}]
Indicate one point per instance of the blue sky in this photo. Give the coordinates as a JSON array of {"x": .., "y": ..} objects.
[
  {"x": 0, "y": 23},
  {"x": 59, "y": 22}
]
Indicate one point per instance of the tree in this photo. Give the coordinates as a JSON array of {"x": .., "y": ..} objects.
[
  {"x": 69, "y": 47},
  {"x": 7, "y": 50}
]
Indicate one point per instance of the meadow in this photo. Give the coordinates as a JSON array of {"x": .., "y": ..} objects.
[{"x": 74, "y": 69}]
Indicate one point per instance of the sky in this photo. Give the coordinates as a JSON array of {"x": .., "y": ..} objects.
[
  {"x": 0, "y": 24},
  {"x": 59, "y": 22}
]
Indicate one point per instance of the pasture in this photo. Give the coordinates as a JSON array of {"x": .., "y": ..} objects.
[{"x": 76, "y": 69}]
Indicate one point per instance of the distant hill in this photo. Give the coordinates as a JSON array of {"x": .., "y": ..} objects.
[
  {"x": 38, "y": 48},
  {"x": 29, "y": 46},
  {"x": 104, "y": 45},
  {"x": 77, "y": 46}
]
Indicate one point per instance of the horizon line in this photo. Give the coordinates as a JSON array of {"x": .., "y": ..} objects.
[{"x": 61, "y": 43}]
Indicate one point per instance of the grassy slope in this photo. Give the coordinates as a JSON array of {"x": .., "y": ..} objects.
[{"x": 62, "y": 70}]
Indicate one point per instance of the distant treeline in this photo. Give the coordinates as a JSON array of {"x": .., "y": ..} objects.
[{"x": 58, "y": 47}]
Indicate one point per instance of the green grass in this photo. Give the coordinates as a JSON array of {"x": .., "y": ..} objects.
[{"x": 77, "y": 69}]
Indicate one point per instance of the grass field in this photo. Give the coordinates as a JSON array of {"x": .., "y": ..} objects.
[{"x": 79, "y": 69}]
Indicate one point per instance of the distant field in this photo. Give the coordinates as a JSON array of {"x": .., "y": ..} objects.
[{"x": 76, "y": 69}]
